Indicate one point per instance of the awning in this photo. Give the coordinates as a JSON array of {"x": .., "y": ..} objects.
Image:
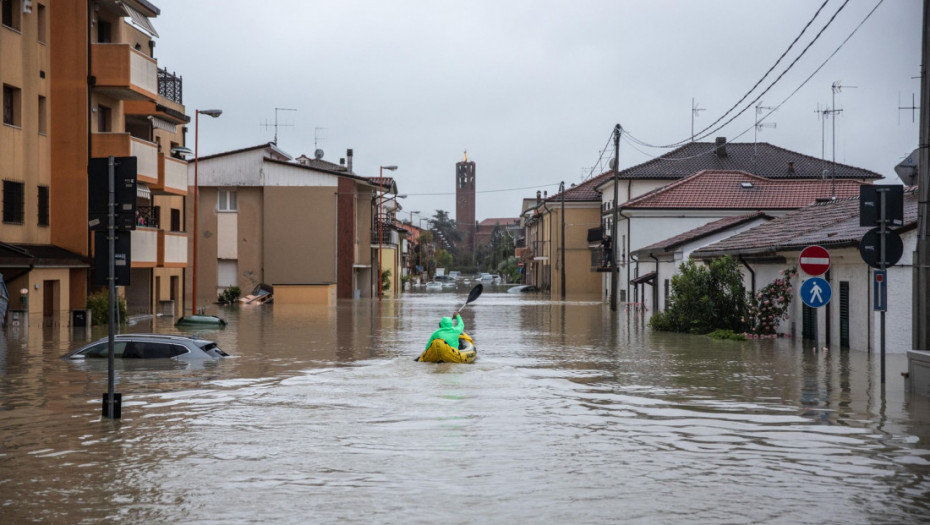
[
  {"x": 139, "y": 19},
  {"x": 648, "y": 278},
  {"x": 164, "y": 124},
  {"x": 143, "y": 192}
]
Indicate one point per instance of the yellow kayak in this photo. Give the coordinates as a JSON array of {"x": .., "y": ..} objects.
[{"x": 439, "y": 351}]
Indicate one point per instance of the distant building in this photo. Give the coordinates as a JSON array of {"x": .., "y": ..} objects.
[
  {"x": 486, "y": 227},
  {"x": 465, "y": 202}
]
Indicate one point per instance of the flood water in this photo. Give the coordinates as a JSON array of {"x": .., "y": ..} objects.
[{"x": 570, "y": 415}]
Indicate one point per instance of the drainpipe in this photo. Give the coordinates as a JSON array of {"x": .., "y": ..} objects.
[
  {"x": 655, "y": 286},
  {"x": 620, "y": 213},
  {"x": 751, "y": 273}
]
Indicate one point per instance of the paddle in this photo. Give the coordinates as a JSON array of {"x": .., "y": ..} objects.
[{"x": 472, "y": 295}]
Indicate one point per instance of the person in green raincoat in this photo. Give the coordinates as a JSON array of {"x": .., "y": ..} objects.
[{"x": 448, "y": 332}]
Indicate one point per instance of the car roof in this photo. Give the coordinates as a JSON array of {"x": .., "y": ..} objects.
[{"x": 159, "y": 337}]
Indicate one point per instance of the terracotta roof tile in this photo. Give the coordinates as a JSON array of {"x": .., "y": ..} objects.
[
  {"x": 831, "y": 223},
  {"x": 762, "y": 159},
  {"x": 740, "y": 190},
  {"x": 710, "y": 228}
]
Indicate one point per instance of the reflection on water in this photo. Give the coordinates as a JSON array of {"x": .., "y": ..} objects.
[{"x": 571, "y": 414}]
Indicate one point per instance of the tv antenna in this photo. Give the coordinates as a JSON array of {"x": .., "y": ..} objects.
[
  {"x": 822, "y": 115},
  {"x": 695, "y": 111},
  {"x": 759, "y": 124},
  {"x": 913, "y": 107},
  {"x": 837, "y": 87},
  {"x": 266, "y": 125}
]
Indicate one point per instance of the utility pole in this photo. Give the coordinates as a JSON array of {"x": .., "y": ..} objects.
[
  {"x": 614, "y": 269},
  {"x": 921, "y": 316},
  {"x": 562, "y": 240}
]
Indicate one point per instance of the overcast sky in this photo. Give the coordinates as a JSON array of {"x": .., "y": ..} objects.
[{"x": 533, "y": 89}]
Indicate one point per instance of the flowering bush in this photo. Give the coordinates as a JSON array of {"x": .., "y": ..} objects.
[{"x": 770, "y": 304}]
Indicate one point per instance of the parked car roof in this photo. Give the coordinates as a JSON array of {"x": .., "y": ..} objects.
[{"x": 150, "y": 346}]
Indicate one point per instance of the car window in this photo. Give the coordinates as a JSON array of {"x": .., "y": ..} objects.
[
  {"x": 161, "y": 350},
  {"x": 103, "y": 349}
]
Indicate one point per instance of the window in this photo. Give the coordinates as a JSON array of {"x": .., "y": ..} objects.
[
  {"x": 103, "y": 119},
  {"x": 11, "y": 105},
  {"x": 103, "y": 32},
  {"x": 40, "y": 18},
  {"x": 226, "y": 201},
  {"x": 13, "y": 201},
  {"x": 43, "y": 205},
  {"x": 175, "y": 220},
  {"x": 12, "y": 10},
  {"x": 43, "y": 115}
]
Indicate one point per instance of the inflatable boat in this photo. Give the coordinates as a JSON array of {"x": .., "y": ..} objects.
[{"x": 439, "y": 351}]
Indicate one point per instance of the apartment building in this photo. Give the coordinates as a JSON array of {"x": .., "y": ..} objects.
[
  {"x": 40, "y": 276},
  {"x": 108, "y": 96}
]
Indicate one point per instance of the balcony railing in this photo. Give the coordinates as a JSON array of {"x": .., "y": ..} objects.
[
  {"x": 125, "y": 145},
  {"x": 124, "y": 73},
  {"x": 144, "y": 246},
  {"x": 172, "y": 175},
  {"x": 600, "y": 260},
  {"x": 169, "y": 86},
  {"x": 172, "y": 249},
  {"x": 147, "y": 216},
  {"x": 387, "y": 237}
]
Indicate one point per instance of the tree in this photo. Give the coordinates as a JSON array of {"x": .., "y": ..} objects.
[
  {"x": 446, "y": 227},
  {"x": 704, "y": 299}
]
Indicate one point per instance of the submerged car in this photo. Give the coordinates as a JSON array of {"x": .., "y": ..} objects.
[{"x": 150, "y": 346}]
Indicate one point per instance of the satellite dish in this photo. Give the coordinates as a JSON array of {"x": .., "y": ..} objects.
[
  {"x": 907, "y": 169},
  {"x": 318, "y": 154},
  {"x": 613, "y": 163}
]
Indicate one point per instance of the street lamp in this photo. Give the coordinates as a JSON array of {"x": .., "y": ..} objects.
[
  {"x": 381, "y": 221},
  {"x": 211, "y": 113}
]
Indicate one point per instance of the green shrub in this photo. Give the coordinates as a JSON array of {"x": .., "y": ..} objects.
[
  {"x": 726, "y": 335},
  {"x": 99, "y": 304},
  {"x": 770, "y": 305},
  {"x": 229, "y": 295},
  {"x": 705, "y": 298},
  {"x": 385, "y": 280}
]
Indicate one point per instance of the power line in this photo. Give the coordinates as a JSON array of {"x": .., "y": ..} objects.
[
  {"x": 487, "y": 191},
  {"x": 701, "y": 134}
]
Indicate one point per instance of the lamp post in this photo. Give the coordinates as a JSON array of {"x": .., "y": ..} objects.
[
  {"x": 212, "y": 113},
  {"x": 381, "y": 221},
  {"x": 410, "y": 255}
]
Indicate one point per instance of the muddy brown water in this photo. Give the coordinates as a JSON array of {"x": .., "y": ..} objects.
[{"x": 570, "y": 415}]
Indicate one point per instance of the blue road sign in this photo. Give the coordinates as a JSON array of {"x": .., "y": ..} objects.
[
  {"x": 815, "y": 292},
  {"x": 880, "y": 290}
]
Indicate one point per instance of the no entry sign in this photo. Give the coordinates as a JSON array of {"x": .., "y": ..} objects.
[{"x": 814, "y": 260}]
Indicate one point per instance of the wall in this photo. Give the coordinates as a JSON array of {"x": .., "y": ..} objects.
[
  {"x": 320, "y": 294},
  {"x": 299, "y": 234}
]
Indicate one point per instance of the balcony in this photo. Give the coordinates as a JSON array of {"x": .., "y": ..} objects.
[
  {"x": 172, "y": 249},
  {"x": 144, "y": 246},
  {"x": 124, "y": 73},
  {"x": 125, "y": 145},
  {"x": 172, "y": 176},
  {"x": 389, "y": 236},
  {"x": 170, "y": 86}
]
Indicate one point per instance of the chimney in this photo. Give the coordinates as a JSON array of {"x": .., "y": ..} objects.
[
  {"x": 538, "y": 197},
  {"x": 790, "y": 167},
  {"x": 342, "y": 161},
  {"x": 722, "y": 147},
  {"x": 349, "y": 160}
]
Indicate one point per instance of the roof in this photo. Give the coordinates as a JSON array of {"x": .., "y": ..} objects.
[
  {"x": 387, "y": 183},
  {"x": 320, "y": 164},
  {"x": 39, "y": 255},
  {"x": 268, "y": 145},
  {"x": 828, "y": 224},
  {"x": 700, "y": 232},
  {"x": 504, "y": 221},
  {"x": 760, "y": 158},
  {"x": 740, "y": 190}
]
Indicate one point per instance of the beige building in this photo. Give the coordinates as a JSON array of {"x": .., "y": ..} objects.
[
  {"x": 79, "y": 81},
  {"x": 303, "y": 227}
]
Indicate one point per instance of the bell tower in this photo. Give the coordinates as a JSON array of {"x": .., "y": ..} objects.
[{"x": 465, "y": 202}]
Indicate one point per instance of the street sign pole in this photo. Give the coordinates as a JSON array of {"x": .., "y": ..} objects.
[{"x": 882, "y": 233}]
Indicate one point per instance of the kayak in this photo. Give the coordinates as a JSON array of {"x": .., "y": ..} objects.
[{"x": 439, "y": 351}]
